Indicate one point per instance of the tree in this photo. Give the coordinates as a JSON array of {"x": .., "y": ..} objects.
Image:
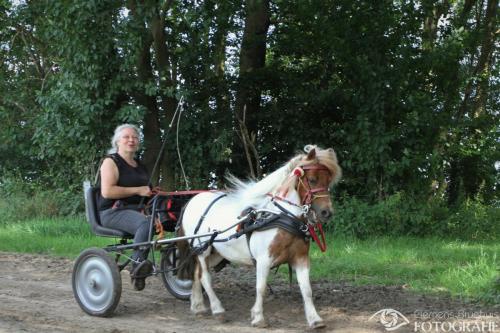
[
  {"x": 404, "y": 91},
  {"x": 248, "y": 94}
]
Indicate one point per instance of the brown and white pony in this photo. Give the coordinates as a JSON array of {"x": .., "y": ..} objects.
[{"x": 301, "y": 187}]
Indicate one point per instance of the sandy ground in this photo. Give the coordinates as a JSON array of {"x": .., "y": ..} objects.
[{"x": 36, "y": 296}]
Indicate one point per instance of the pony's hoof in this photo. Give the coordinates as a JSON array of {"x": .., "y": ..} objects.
[
  {"x": 260, "y": 324},
  {"x": 318, "y": 324},
  {"x": 200, "y": 312},
  {"x": 221, "y": 317}
]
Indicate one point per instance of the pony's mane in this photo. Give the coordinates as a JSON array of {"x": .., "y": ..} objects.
[{"x": 251, "y": 193}]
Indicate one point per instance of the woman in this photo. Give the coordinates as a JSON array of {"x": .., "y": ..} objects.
[{"x": 125, "y": 182}]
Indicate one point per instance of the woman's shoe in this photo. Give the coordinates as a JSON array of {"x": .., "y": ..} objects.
[{"x": 139, "y": 274}]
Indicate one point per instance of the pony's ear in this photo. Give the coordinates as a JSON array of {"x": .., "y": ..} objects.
[
  {"x": 307, "y": 148},
  {"x": 311, "y": 155}
]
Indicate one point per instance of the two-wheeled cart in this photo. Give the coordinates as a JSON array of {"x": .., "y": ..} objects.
[{"x": 96, "y": 278}]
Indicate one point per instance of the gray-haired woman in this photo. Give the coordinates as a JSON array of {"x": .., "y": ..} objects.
[{"x": 124, "y": 182}]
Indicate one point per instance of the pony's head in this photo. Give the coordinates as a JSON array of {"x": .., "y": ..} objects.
[{"x": 312, "y": 174}]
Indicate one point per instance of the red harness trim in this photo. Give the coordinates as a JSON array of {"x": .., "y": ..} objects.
[
  {"x": 170, "y": 214},
  {"x": 321, "y": 243}
]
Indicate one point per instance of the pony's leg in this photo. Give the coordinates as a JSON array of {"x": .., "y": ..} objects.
[
  {"x": 206, "y": 281},
  {"x": 313, "y": 319},
  {"x": 197, "y": 304},
  {"x": 263, "y": 266}
]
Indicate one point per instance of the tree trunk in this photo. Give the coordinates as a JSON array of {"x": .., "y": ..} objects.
[
  {"x": 145, "y": 73},
  {"x": 485, "y": 59},
  {"x": 223, "y": 115},
  {"x": 168, "y": 102},
  {"x": 431, "y": 23},
  {"x": 470, "y": 178},
  {"x": 488, "y": 41},
  {"x": 248, "y": 95}
]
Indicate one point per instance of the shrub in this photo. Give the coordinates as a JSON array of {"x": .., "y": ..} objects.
[
  {"x": 25, "y": 200},
  {"x": 474, "y": 220},
  {"x": 402, "y": 215}
]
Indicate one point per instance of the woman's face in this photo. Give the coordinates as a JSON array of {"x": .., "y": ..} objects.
[{"x": 129, "y": 141}]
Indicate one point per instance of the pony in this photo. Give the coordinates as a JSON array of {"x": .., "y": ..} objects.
[{"x": 300, "y": 188}]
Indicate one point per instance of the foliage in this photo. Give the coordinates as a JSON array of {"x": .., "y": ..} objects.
[
  {"x": 23, "y": 201},
  {"x": 403, "y": 215},
  {"x": 403, "y": 90}
]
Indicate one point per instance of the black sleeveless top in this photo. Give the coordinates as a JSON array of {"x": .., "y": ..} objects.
[{"x": 128, "y": 176}]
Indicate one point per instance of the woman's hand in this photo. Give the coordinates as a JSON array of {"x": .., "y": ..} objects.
[
  {"x": 156, "y": 190},
  {"x": 144, "y": 191}
]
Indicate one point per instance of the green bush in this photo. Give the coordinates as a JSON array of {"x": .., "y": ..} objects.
[
  {"x": 22, "y": 200},
  {"x": 474, "y": 220},
  {"x": 397, "y": 215},
  {"x": 402, "y": 215}
]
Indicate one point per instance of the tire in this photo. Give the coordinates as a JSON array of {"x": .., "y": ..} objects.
[
  {"x": 96, "y": 282},
  {"x": 180, "y": 289}
]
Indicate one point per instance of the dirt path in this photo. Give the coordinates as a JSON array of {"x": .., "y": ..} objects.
[{"x": 36, "y": 296}]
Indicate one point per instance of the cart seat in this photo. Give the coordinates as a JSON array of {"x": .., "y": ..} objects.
[{"x": 92, "y": 214}]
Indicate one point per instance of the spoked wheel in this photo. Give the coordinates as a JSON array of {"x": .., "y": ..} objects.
[
  {"x": 180, "y": 289},
  {"x": 96, "y": 282}
]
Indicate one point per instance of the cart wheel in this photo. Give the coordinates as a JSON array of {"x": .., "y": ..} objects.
[
  {"x": 96, "y": 282},
  {"x": 180, "y": 289}
]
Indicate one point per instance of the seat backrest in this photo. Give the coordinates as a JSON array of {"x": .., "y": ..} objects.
[{"x": 92, "y": 213}]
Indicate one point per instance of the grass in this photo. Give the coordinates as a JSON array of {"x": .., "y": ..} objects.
[
  {"x": 65, "y": 237},
  {"x": 426, "y": 265}
]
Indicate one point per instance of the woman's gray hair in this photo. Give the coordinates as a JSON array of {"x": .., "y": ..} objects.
[{"x": 118, "y": 132}]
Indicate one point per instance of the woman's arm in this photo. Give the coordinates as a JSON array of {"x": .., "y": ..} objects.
[{"x": 109, "y": 179}]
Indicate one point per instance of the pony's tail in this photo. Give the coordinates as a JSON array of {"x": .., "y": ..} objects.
[{"x": 186, "y": 259}]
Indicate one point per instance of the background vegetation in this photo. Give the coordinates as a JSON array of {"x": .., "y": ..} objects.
[
  {"x": 405, "y": 91},
  {"x": 428, "y": 265}
]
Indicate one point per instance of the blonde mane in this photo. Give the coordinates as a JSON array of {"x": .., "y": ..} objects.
[{"x": 251, "y": 193}]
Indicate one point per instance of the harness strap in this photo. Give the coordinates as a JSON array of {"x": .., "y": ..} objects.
[
  {"x": 309, "y": 229},
  {"x": 284, "y": 222},
  {"x": 200, "y": 221},
  {"x": 286, "y": 211}
]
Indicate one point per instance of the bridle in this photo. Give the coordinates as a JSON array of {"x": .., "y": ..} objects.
[
  {"x": 306, "y": 203},
  {"x": 312, "y": 193}
]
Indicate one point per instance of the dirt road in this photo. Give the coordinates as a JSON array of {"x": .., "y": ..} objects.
[{"x": 36, "y": 296}]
